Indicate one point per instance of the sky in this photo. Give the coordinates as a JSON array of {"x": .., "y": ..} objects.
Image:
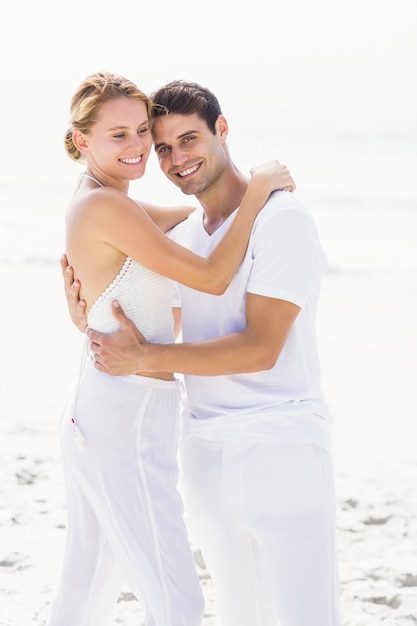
[
  {"x": 320, "y": 60},
  {"x": 320, "y": 49}
]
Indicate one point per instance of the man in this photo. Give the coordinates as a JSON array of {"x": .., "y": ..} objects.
[{"x": 256, "y": 446}]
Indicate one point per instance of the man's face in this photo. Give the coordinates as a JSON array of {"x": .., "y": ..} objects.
[{"x": 188, "y": 153}]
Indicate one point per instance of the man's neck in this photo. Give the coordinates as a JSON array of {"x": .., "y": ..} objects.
[{"x": 221, "y": 201}]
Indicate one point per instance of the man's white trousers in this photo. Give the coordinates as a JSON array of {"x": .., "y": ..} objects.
[{"x": 263, "y": 514}]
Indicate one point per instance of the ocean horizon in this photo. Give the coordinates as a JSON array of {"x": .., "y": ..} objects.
[
  {"x": 361, "y": 190},
  {"x": 359, "y": 181}
]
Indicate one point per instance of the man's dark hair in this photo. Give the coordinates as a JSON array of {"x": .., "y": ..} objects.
[{"x": 186, "y": 98}]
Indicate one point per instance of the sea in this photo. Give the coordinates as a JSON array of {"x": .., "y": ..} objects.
[
  {"x": 357, "y": 174},
  {"x": 356, "y": 171}
]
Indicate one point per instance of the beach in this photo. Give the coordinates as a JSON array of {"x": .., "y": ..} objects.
[
  {"x": 368, "y": 347},
  {"x": 327, "y": 89},
  {"x": 369, "y": 386}
]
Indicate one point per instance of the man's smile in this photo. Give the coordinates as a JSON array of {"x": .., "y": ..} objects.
[{"x": 188, "y": 171}]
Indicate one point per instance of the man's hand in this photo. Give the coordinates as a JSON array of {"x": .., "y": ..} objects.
[
  {"x": 118, "y": 353},
  {"x": 76, "y": 307}
]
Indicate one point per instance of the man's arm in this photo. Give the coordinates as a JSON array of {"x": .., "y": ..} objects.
[{"x": 257, "y": 347}]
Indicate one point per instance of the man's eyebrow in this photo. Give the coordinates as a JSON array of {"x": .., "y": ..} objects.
[{"x": 187, "y": 132}]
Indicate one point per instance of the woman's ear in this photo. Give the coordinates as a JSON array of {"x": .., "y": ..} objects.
[{"x": 80, "y": 141}]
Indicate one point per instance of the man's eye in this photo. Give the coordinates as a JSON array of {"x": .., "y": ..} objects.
[
  {"x": 163, "y": 149},
  {"x": 187, "y": 139}
]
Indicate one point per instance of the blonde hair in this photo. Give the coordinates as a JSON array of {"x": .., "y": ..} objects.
[{"x": 93, "y": 92}]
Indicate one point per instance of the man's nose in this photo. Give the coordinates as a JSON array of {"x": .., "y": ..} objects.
[{"x": 179, "y": 157}]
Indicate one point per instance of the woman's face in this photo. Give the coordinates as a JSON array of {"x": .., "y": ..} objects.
[{"x": 119, "y": 143}]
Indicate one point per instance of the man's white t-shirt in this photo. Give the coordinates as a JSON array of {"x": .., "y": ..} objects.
[{"x": 284, "y": 260}]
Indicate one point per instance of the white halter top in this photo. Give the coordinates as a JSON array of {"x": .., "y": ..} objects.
[{"x": 145, "y": 298}]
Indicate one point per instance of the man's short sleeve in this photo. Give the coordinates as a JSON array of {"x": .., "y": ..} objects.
[{"x": 288, "y": 258}]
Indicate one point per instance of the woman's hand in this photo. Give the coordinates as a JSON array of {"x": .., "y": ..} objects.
[{"x": 277, "y": 174}]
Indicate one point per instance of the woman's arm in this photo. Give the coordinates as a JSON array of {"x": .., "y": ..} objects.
[
  {"x": 166, "y": 217},
  {"x": 115, "y": 219}
]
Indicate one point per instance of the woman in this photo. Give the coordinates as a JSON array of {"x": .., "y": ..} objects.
[{"x": 125, "y": 516}]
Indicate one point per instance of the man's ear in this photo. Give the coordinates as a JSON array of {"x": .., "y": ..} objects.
[
  {"x": 222, "y": 128},
  {"x": 80, "y": 141}
]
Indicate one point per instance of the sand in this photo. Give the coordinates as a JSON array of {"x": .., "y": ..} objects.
[{"x": 369, "y": 381}]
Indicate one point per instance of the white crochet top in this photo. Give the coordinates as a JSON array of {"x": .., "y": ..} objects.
[{"x": 146, "y": 299}]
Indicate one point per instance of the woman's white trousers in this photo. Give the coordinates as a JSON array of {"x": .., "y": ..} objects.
[{"x": 125, "y": 516}]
